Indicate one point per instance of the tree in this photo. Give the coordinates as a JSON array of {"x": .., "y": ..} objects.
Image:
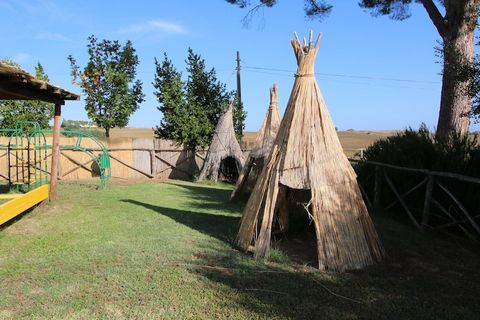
[
  {"x": 108, "y": 80},
  {"x": 26, "y": 112},
  {"x": 456, "y": 27},
  {"x": 168, "y": 86},
  {"x": 191, "y": 108},
  {"x": 239, "y": 116}
]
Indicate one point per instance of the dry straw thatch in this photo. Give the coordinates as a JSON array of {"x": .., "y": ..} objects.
[
  {"x": 307, "y": 155},
  {"x": 224, "y": 153},
  {"x": 263, "y": 144}
]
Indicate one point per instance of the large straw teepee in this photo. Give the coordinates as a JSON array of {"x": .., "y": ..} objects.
[
  {"x": 224, "y": 157},
  {"x": 262, "y": 146},
  {"x": 307, "y": 155}
]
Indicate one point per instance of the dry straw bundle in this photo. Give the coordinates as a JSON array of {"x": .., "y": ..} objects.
[
  {"x": 307, "y": 155},
  {"x": 263, "y": 144},
  {"x": 224, "y": 147}
]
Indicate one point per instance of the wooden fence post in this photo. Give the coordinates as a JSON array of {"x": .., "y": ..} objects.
[
  {"x": 378, "y": 187},
  {"x": 55, "y": 153},
  {"x": 428, "y": 200},
  {"x": 152, "y": 162}
]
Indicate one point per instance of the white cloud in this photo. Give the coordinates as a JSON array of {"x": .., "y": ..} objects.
[
  {"x": 155, "y": 26},
  {"x": 22, "y": 58},
  {"x": 55, "y": 36}
]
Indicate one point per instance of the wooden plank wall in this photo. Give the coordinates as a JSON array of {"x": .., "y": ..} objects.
[{"x": 139, "y": 158}]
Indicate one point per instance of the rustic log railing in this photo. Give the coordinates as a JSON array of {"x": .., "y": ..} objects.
[{"x": 463, "y": 219}]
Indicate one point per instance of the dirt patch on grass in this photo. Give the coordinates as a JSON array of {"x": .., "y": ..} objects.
[{"x": 24, "y": 224}]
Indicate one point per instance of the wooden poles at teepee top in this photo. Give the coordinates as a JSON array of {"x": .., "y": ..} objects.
[{"x": 307, "y": 155}]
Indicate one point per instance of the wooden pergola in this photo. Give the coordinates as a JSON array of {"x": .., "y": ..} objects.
[{"x": 18, "y": 84}]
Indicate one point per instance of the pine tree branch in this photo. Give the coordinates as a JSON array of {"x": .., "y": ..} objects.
[{"x": 435, "y": 15}]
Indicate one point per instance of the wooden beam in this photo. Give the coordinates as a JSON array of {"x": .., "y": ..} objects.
[
  {"x": 461, "y": 207},
  {"x": 132, "y": 167},
  {"x": 19, "y": 93},
  {"x": 427, "y": 172},
  {"x": 80, "y": 165},
  {"x": 421, "y": 183},
  {"x": 378, "y": 187},
  {"x": 84, "y": 166},
  {"x": 402, "y": 202},
  {"x": 55, "y": 152},
  {"x": 445, "y": 211},
  {"x": 174, "y": 167},
  {"x": 427, "y": 201}
]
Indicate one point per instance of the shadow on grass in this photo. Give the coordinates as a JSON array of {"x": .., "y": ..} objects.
[
  {"x": 422, "y": 278},
  {"x": 211, "y": 197},
  {"x": 218, "y": 226}
]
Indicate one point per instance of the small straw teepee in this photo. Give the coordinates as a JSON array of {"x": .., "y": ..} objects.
[
  {"x": 224, "y": 156},
  {"x": 262, "y": 146},
  {"x": 307, "y": 155}
]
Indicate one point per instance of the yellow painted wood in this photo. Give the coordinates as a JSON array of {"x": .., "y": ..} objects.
[
  {"x": 11, "y": 195},
  {"x": 18, "y": 205}
]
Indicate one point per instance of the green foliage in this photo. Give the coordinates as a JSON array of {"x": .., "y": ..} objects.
[
  {"x": 168, "y": 90},
  {"x": 315, "y": 9},
  {"x": 395, "y": 9},
  {"x": 15, "y": 112},
  {"x": 76, "y": 124},
  {"x": 420, "y": 149},
  {"x": 239, "y": 116},
  {"x": 88, "y": 126},
  {"x": 191, "y": 108},
  {"x": 108, "y": 80}
]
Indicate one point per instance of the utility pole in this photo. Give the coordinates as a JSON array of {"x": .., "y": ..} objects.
[{"x": 239, "y": 87}]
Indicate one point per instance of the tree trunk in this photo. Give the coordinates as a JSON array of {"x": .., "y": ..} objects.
[
  {"x": 107, "y": 132},
  {"x": 458, "y": 51}
]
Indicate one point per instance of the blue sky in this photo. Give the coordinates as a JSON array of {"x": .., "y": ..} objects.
[{"x": 374, "y": 73}]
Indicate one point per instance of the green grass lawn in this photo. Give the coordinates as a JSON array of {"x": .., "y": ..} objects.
[{"x": 163, "y": 251}]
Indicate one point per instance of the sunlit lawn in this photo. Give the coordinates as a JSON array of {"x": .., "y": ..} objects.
[{"x": 163, "y": 251}]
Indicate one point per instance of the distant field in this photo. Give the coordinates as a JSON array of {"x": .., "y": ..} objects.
[
  {"x": 131, "y": 133},
  {"x": 350, "y": 140}
]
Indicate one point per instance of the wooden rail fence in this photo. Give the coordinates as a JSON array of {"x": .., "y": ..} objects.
[
  {"x": 163, "y": 159},
  {"x": 435, "y": 196}
]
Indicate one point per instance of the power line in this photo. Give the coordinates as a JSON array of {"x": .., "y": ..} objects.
[
  {"x": 343, "y": 81},
  {"x": 346, "y": 75}
]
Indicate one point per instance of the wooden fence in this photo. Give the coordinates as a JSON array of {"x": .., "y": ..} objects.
[
  {"x": 162, "y": 159},
  {"x": 441, "y": 208},
  {"x": 129, "y": 159}
]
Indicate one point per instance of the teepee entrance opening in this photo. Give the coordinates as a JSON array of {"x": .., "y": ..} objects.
[
  {"x": 228, "y": 170},
  {"x": 293, "y": 228}
]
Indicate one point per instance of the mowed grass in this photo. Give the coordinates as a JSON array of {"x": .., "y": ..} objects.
[{"x": 164, "y": 251}]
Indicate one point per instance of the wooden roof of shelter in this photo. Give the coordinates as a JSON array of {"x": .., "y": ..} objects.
[{"x": 18, "y": 84}]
